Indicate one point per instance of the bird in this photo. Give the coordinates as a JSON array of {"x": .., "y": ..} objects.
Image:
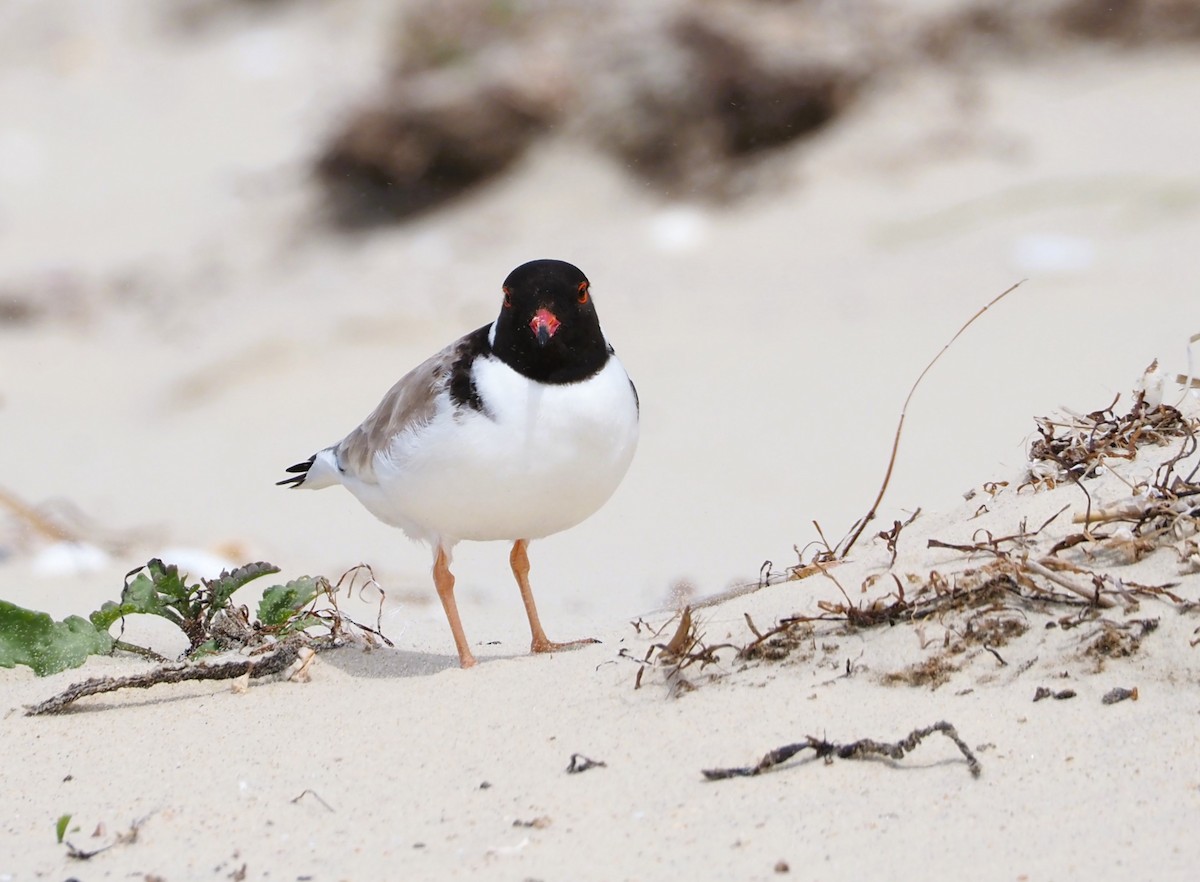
[{"x": 520, "y": 429}]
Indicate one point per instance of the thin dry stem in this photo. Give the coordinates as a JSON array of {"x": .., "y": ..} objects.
[{"x": 857, "y": 530}]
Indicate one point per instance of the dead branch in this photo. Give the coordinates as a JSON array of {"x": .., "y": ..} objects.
[
  {"x": 273, "y": 662},
  {"x": 1091, "y": 595},
  {"x": 865, "y": 747}
]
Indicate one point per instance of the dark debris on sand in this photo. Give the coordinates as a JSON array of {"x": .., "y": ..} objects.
[{"x": 685, "y": 94}]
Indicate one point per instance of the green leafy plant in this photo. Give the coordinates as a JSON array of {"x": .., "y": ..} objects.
[
  {"x": 159, "y": 589},
  {"x": 280, "y": 610},
  {"x": 35, "y": 639},
  {"x": 202, "y": 610}
]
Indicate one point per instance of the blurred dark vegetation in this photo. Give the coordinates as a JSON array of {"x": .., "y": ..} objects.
[{"x": 686, "y": 94}]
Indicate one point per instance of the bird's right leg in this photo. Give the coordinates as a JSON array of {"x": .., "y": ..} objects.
[{"x": 443, "y": 579}]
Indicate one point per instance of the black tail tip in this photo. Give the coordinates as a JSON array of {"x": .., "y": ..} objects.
[{"x": 299, "y": 472}]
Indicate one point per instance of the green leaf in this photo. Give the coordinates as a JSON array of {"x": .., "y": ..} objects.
[
  {"x": 34, "y": 639},
  {"x": 158, "y": 590},
  {"x": 60, "y": 828},
  {"x": 281, "y": 603},
  {"x": 104, "y": 617},
  {"x": 143, "y": 595},
  {"x": 222, "y": 588},
  {"x": 167, "y": 582},
  {"x": 208, "y": 647}
]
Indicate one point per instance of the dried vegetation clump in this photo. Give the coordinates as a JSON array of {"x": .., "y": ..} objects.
[
  {"x": 1080, "y": 445},
  {"x": 685, "y": 650},
  {"x": 1068, "y": 588},
  {"x": 676, "y": 92},
  {"x": 788, "y": 641},
  {"x": 1130, "y": 22},
  {"x": 934, "y": 671},
  {"x": 1118, "y": 639},
  {"x": 687, "y": 94}
]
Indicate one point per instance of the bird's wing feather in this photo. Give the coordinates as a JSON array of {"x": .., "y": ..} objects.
[{"x": 409, "y": 404}]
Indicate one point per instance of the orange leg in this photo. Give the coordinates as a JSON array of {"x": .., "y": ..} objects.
[
  {"x": 519, "y": 561},
  {"x": 444, "y": 580}
]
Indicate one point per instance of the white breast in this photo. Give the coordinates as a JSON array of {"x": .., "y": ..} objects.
[{"x": 541, "y": 459}]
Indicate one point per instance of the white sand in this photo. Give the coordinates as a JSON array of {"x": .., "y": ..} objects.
[
  {"x": 772, "y": 343},
  {"x": 397, "y": 745}
]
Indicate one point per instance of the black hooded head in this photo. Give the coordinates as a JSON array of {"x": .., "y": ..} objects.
[{"x": 548, "y": 329}]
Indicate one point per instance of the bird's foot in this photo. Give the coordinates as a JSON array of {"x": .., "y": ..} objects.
[{"x": 545, "y": 645}]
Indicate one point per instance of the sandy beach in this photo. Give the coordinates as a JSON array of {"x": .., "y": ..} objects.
[{"x": 177, "y": 326}]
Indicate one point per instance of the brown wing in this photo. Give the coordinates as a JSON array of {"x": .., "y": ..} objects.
[{"x": 410, "y": 403}]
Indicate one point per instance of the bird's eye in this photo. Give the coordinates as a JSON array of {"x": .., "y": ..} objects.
[
  {"x": 507, "y": 297},
  {"x": 583, "y": 291}
]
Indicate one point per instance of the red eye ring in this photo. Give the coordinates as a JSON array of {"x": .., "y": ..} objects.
[
  {"x": 583, "y": 291},
  {"x": 507, "y": 297}
]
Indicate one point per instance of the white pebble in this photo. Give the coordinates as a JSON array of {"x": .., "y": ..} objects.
[
  {"x": 69, "y": 559},
  {"x": 1053, "y": 253},
  {"x": 678, "y": 229}
]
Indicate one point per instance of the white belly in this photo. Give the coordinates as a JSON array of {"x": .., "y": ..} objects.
[{"x": 542, "y": 460}]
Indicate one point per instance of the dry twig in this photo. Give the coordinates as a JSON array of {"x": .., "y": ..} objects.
[
  {"x": 857, "y": 530},
  {"x": 274, "y": 662},
  {"x": 864, "y": 747},
  {"x": 685, "y": 648}
]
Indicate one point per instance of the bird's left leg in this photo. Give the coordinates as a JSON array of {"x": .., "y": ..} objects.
[{"x": 519, "y": 561}]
